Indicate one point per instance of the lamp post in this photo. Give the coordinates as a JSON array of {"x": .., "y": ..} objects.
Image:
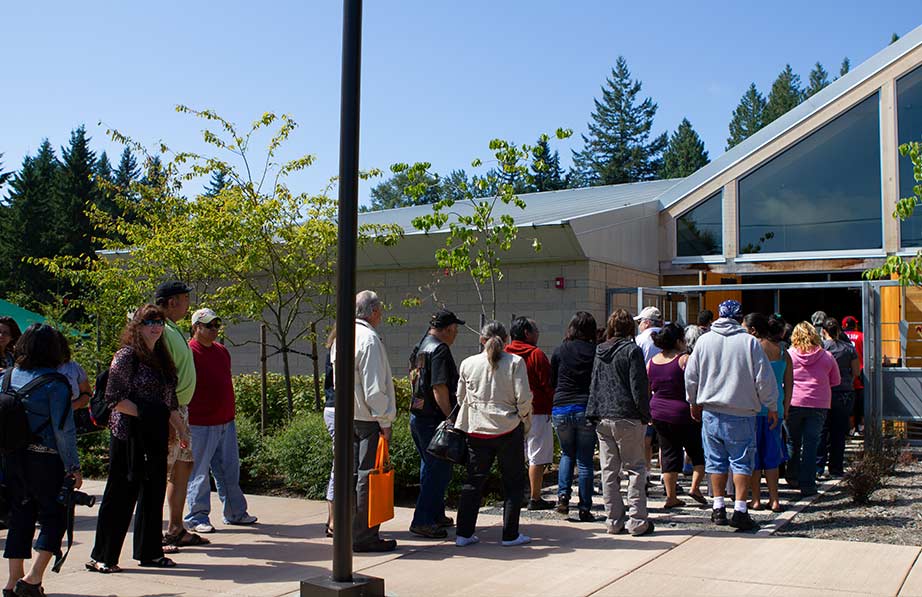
[{"x": 344, "y": 582}]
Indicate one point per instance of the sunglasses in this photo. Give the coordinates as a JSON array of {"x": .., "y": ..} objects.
[
  {"x": 153, "y": 323},
  {"x": 213, "y": 326}
]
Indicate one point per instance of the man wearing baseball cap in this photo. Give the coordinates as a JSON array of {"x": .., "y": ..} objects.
[
  {"x": 434, "y": 376},
  {"x": 728, "y": 379},
  {"x": 649, "y": 322},
  {"x": 214, "y": 433}
]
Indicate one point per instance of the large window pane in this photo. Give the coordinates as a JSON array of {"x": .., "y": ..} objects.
[
  {"x": 909, "y": 120},
  {"x": 700, "y": 231},
  {"x": 822, "y": 194}
]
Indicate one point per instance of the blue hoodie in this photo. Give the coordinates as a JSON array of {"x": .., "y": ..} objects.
[{"x": 728, "y": 372}]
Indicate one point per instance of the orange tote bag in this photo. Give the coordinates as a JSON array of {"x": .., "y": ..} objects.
[{"x": 381, "y": 487}]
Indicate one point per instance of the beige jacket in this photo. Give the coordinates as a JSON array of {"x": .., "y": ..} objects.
[
  {"x": 375, "y": 399},
  {"x": 493, "y": 401}
]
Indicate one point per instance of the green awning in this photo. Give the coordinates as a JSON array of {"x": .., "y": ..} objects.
[{"x": 24, "y": 318}]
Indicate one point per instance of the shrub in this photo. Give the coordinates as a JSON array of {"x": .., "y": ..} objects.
[
  {"x": 868, "y": 472},
  {"x": 300, "y": 453},
  {"x": 94, "y": 454},
  {"x": 255, "y": 471},
  {"x": 247, "y": 388}
]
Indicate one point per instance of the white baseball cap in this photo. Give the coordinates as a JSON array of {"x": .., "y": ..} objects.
[
  {"x": 651, "y": 313},
  {"x": 204, "y": 316}
]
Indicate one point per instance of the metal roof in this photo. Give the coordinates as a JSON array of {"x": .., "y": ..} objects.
[
  {"x": 810, "y": 106},
  {"x": 543, "y": 209}
]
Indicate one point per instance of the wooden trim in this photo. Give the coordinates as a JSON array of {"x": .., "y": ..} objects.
[{"x": 889, "y": 163}]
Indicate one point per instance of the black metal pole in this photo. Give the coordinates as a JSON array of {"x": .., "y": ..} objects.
[{"x": 344, "y": 489}]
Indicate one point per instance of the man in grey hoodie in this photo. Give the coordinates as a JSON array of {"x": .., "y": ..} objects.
[{"x": 728, "y": 380}]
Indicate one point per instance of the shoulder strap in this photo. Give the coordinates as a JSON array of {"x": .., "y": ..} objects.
[
  {"x": 43, "y": 380},
  {"x": 7, "y": 379}
]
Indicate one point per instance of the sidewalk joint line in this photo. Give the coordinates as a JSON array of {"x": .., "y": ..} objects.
[
  {"x": 636, "y": 568},
  {"x": 908, "y": 572}
]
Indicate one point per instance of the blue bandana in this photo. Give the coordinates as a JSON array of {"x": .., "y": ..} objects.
[{"x": 730, "y": 309}]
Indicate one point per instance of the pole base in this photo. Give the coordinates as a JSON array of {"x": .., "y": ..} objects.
[{"x": 325, "y": 586}]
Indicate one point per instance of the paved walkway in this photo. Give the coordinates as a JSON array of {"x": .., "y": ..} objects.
[{"x": 565, "y": 559}]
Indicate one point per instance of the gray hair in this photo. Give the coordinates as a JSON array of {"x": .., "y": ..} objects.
[
  {"x": 495, "y": 336},
  {"x": 365, "y": 304},
  {"x": 692, "y": 333}
]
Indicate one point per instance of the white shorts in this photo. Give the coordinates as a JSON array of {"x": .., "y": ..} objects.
[{"x": 539, "y": 443}]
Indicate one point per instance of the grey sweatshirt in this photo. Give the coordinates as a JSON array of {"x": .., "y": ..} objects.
[{"x": 728, "y": 372}]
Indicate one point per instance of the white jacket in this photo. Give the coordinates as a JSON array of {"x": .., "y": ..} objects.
[
  {"x": 375, "y": 398},
  {"x": 493, "y": 401}
]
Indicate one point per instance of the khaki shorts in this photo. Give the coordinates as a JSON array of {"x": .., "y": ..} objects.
[
  {"x": 539, "y": 443},
  {"x": 174, "y": 450}
]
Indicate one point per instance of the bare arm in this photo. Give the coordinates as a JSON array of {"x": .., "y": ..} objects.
[
  {"x": 181, "y": 429},
  {"x": 84, "y": 398},
  {"x": 127, "y": 407},
  {"x": 442, "y": 398},
  {"x": 788, "y": 383}
]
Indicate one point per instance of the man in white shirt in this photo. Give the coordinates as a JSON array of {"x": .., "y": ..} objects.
[
  {"x": 375, "y": 410},
  {"x": 649, "y": 321}
]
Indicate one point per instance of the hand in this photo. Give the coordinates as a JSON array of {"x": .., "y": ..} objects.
[
  {"x": 772, "y": 419},
  {"x": 77, "y": 476},
  {"x": 386, "y": 434},
  {"x": 185, "y": 439},
  {"x": 696, "y": 412}
]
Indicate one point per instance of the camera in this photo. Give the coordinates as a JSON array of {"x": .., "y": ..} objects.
[{"x": 68, "y": 496}]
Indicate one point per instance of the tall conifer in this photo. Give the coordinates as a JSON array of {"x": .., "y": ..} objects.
[
  {"x": 76, "y": 190},
  {"x": 819, "y": 80},
  {"x": 545, "y": 168},
  {"x": 748, "y": 117},
  {"x": 785, "y": 95},
  {"x": 685, "y": 153}
]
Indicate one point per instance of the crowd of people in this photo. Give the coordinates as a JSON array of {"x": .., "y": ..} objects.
[
  {"x": 729, "y": 401},
  {"x": 170, "y": 407}
]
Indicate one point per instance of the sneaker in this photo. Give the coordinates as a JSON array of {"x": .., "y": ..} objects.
[
  {"x": 614, "y": 529},
  {"x": 743, "y": 521},
  {"x": 465, "y": 541},
  {"x": 445, "y": 522},
  {"x": 379, "y": 545},
  {"x": 586, "y": 516},
  {"x": 540, "y": 504},
  {"x": 244, "y": 520},
  {"x": 429, "y": 531},
  {"x": 648, "y": 530},
  {"x": 520, "y": 540},
  {"x": 563, "y": 506},
  {"x": 719, "y": 516},
  {"x": 201, "y": 527}
]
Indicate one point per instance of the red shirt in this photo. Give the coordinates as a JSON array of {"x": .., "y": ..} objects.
[
  {"x": 539, "y": 375},
  {"x": 857, "y": 339},
  {"x": 213, "y": 400}
]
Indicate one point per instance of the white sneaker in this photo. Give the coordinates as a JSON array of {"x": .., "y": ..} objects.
[
  {"x": 465, "y": 541},
  {"x": 243, "y": 520},
  {"x": 520, "y": 540},
  {"x": 202, "y": 527}
]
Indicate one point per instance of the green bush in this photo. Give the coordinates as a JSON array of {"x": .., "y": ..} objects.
[
  {"x": 255, "y": 471},
  {"x": 94, "y": 454},
  {"x": 300, "y": 453},
  {"x": 247, "y": 388}
]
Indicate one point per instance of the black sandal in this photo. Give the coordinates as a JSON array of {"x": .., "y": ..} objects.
[
  {"x": 163, "y": 562},
  {"x": 94, "y": 566}
]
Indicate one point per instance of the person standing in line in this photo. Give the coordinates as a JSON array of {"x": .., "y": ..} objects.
[
  {"x": 705, "y": 319},
  {"x": 214, "y": 432},
  {"x": 769, "y": 444},
  {"x": 818, "y": 319},
  {"x": 329, "y": 419},
  {"x": 434, "y": 376},
  {"x": 678, "y": 433},
  {"x": 173, "y": 298},
  {"x": 619, "y": 404},
  {"x": 728, "y": 379},
  {"x": 375, "y": 411},
  {"x": 76, "y": 376},
  {"x": 649, "y": 322},
  {"x": 9, "y": 334},
  {"x": 815, "y": 374},
  {"x": 850, "y": 325},
  {"x": 539, "y": 442},
  {"x": 571, "y": 377},
  {"x": 494, "y": 410},
  {"x": 835, "y": 428}
]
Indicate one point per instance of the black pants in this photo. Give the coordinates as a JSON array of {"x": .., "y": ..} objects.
[
  {"x": 508, "y": 449},
  {"x": 33, "y": 481},
  {"x": 137, "y": 476},
  {"x": 365, "y": 442},
  {"x": 835, "y": 430}
]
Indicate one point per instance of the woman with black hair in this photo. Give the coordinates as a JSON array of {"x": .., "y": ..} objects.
[
  {"x": 35, "y": 474},
  {"x": 678, "y": 433},
  {"x": 571, "y": 374},
  {"x": 9, "y": 334},
  {"x": 835, "y": 429}
]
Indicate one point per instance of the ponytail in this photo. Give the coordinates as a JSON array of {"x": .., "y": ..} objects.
[{"x": 494, "y": 338}]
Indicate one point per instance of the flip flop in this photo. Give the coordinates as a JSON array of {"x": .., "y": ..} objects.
[
  {"x": 94, "y": 566},
  {"x": 185, "y": 539},
  {"x": 170, "y": 549},
  {"x": 778, "y": 509},
  {"x": 698, "y": 498},
  {"x": 677, "y": 504},
  {"x": 158, "y": 563},
  {"x": 759, "y": 507}
]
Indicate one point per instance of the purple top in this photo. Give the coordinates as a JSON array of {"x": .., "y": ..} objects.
[
  {"x": 667, "y": 383},
  {"x": 131, "y": 379}
]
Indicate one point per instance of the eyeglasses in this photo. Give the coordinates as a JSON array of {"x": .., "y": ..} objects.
[
  {"x": 213, "y": 326},
  {"x": 153, "y": 323}
]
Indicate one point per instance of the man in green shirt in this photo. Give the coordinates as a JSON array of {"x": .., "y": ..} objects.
[{"x": 173, "y": 298}]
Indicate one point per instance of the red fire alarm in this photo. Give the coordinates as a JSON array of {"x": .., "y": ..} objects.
[{"x": 559, "y": 283}]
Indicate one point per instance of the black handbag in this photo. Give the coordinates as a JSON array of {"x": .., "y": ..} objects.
[{"x": 448, "y": 443}]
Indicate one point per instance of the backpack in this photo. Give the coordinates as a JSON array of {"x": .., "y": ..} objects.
[
  {"x": 100, "y": 410},
  {"x": 15, "y": 433}
]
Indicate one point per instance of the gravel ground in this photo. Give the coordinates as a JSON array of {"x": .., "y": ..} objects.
[{"x": 894, "y": 515}]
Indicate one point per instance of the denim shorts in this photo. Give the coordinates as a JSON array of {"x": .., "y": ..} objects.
[
  {"x": 729, "y": 443},
  {"x": 769, "y": 451}
]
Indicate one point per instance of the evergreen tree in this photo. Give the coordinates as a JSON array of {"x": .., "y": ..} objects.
[
  {"x": 4, "y": 176},
  {"x": 846, "y": 66},
  {"x": 894, "y": 38},
  {"x": 748, "y": 117},
  {"x": 392, "y": 193},
  {"x": 819, "y": 80},
  {"x": 76, "y": 190},
  {"x": 545, "y": 168},
  {"x": 218, "y": 183},
  {"x": 127, "y": 171},
  {"x": 104, "y": 177},
  {"x": 618, "y": 148},
  {"x": 786, "y": 94},
  {"x": 685, "y": 153}
]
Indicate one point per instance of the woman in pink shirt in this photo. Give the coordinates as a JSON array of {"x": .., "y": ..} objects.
[{"x": 815, "y": 374}]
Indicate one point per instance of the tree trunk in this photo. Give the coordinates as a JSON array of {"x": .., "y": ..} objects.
[
  {"x": 318, "y": 405},
  {"x": 264, "y": 381},
  {"x": 287, "y": 371}
]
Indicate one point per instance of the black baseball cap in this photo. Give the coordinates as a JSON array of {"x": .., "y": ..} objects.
[
  {"x": 443, "y": 318},
  {"x": 171, "y": 288}
]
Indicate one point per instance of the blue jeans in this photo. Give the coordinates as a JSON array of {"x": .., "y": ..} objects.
[
  {"x": 214, "y": 448},
  {"x": 804, "y": 427},
  {"x": 577, "y": 445},
  {"x": 434, "y": 474}
]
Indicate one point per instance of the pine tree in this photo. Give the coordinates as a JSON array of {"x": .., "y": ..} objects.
[
  {"x": 894, "y": 38},
  {"x": 4, "y": 176},
  {"x": 127, "y": 171},
  {"x": 819, "y": 80},
  {"x": 76, "y": 190},
  {"x": 785, "y": 95},
  {"x": 545, "y": 168},
  {"x": 618, "y": 148},
  {"x": 218, "y": 183},
  {"x": 104, "y": 176},
  {"x": 685, "y": 153},
  {"x": 748, "y": 117},
  {"x": 846, "y": 66}
]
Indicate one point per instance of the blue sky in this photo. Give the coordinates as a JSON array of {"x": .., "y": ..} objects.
[{"x": 440, "y": 79}]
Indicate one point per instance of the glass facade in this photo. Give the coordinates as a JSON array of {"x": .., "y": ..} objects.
[
  {"x": 822, "y": 194},
  {"x": 699, "y": 231},
  {"x": 909, "y": 128}
]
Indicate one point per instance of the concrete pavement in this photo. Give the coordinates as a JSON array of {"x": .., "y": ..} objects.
[{"x": 270, "y": 558}]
